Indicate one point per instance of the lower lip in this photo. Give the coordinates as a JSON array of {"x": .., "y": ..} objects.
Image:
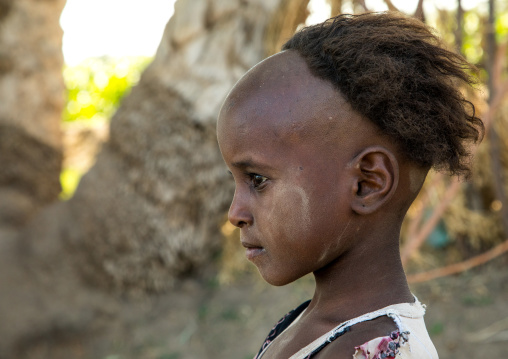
[{"x": 251, "y": 253}]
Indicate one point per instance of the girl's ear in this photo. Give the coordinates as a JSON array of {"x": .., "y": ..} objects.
[{"x": 376, "y": 172}]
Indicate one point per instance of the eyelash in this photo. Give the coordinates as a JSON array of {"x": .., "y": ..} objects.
[{"x": 253, "y": 177}]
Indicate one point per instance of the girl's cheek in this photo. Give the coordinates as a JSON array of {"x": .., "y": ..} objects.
[{"x": 292, "y": 211}]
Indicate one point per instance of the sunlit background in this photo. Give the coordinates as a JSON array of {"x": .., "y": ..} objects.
[
  {"x": 134, "y": 27},
  {"x": 108, "y": 43}
]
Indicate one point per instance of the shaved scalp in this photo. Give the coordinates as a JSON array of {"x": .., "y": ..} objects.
[{"x": 307, "y": 107}]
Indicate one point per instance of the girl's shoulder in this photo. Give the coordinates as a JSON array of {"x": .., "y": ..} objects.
[
  {"x": 282, "y": 325},
  {"x": 394, "y": 331}
]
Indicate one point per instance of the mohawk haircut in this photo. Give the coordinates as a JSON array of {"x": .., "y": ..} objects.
[{"x": 395, "y": 72}]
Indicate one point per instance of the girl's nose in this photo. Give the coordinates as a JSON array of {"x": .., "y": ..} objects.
[{"x": 239, "y": 214}]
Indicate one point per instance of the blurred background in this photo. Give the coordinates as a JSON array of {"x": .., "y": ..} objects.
[{"x": 114, "y": 241}]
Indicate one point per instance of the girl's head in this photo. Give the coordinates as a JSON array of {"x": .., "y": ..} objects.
[
  {"x": 311, "y": 174},
  {"x": 330, "y": 141}
]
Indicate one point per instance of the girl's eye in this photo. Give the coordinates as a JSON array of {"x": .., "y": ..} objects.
[{"x": 257, "y": 180}]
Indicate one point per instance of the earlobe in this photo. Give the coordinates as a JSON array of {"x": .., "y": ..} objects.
[{"x": 376, "y": 177}]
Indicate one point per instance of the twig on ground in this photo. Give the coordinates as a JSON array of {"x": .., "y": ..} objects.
[
  {"x": 487, "y": 334},
  {"x": 459, "y": 267}
]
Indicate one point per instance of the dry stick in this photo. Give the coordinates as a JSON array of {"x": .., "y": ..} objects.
[
  {"x": 487, "y": 333},
  {"x": 336, "y": 7},
  {"x": 415, "y": 242},
  {"x": 390, "y": 5},
  {"x": 501, "y": 88},
  {"x": 430, "y": 224},
  {"x": 500, "y": 94},
  {"x": 459, "y": 33},
  {"x": 499, "y": 63},
  {"x": 415, "y": 222},
  {"x": 290, "y": 14},
  {"x": 459, "y": 267},
  {"x": 362, "y": 4},
  {"x": 419, "y": 14}
]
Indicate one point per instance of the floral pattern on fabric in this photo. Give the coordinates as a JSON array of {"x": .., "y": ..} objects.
[{"x": 382, "y": 347}]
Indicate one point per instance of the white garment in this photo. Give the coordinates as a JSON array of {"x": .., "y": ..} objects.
[{"x": 409, "y": 320}]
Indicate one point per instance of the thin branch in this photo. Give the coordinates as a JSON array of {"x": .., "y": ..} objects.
[
  {"x": 499, "y": 64},
  {"x": 362, "y": 4},
  {"x": 286, "y": 19},
  {"x": 419, "y": 14},
  {"x": 390, "y": 5},
  {"x": 416, "y": 239},
  {"x": 494, "y": 105},
  {"x": 459, "y": 267},
  {"x": 486, "y": 334},
  {"x": 415, "y": 222},
  {"x": 459, "y": 33},
  {"x": 336, "y": 7},
  {"x": 430, "y": 224}
]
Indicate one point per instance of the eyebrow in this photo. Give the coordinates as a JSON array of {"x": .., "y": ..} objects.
[
  {"x": 250, "y": 164},
  {"x": 242, "y": 164}
]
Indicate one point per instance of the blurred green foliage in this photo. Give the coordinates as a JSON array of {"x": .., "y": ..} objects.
[
  {"x": 436, "y": 328},
  {"x": 473, "y": 36},
  {"x": 474, "y": 30},
  {"x": 502, "y": 23},
  {"x": 96, "y": 87},
  {"x": 69, "y": 179}
]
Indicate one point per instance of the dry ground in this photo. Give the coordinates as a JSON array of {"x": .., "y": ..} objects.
[{"x": 467, "y": 317}]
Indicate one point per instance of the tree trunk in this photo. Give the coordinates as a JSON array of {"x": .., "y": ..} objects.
[
  {"x": 336, "y": 7},
  {"x": 283, "y": 24},
  {"x": 148, "y": 213},
  {"x": 459, "y": 32},
  {"x": 497, "y": 166},
  {"x": 32, "y": 97}
]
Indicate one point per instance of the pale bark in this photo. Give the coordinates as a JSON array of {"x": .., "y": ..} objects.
[
  {"x": 289, "y": 15},
  {"x": 390, "y": 5},
  {"x": 419, "y": 14},
  {"x": 148, "y": 212},
  {"x": 459, "y": 32},
  {"x": 336, "y": 7},
  {"x": 361, "y": 4},
  {"x": 493, "y": 136},
  {"x": 32, "y": 97}
]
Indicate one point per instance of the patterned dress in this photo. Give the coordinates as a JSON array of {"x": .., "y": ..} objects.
[{"x": 409, "y": 341}]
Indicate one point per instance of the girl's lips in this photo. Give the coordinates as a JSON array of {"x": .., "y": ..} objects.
[
  {"x": 252, "y": 250},
  {"x": 250, "y": 253}
]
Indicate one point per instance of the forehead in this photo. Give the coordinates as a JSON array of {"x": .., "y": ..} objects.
[{"x": 281, "y": 96}]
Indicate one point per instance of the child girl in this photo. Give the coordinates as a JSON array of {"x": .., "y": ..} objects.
[{"x": 329, "y": 143}]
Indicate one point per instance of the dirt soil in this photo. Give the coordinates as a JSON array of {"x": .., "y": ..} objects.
[{"x": 467, "y": 317}]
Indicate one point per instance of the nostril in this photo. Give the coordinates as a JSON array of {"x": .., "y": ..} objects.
[
  {"x": 237, "y": 223},
  {"x": 239, "y": 220}
]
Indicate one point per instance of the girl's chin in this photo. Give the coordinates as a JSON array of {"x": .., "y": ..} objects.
[{"x": 275, "y": 279}]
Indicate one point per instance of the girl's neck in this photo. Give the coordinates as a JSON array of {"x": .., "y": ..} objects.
[{"x": 364, "y": 279}]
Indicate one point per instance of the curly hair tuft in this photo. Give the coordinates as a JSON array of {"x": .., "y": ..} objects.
[{"x": 395, "y": 72}]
